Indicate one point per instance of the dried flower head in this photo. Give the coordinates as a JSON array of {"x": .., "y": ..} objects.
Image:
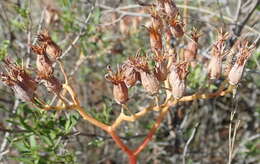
[
  {"x": 218, "y": 52},
  {"x": 43, "y": 63},
  {"x": 120, "y": 90},
  {"x": 160, "y": 70},
  {"x": 245, "y": 51},
  {"x": 139, "y": 62},
  {"x": 176, "y": 26},
  {"x": 148, "y": 80},
  {"x": 51, "y": 83},
  {"x": 190, "y": 52},
  {"x": 170, "y": 8},
  {"x": 52, "y": 49},
  {"x": 155, "y": 38},
  {"x": 21, "y": 83},
  {"x": 177, "y": 79},
  {"x": 222, "y": 36},
  {"x": 157, "y": 22},
  {"x": 215, "y": 64},
  {"x": 130, "y": 74}
]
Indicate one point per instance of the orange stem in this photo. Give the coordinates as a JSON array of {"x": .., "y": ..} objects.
[
  {"x": 152, "y": 131},
  {"x": 92, "y": 120},
  {"x": 122, "y": 146}
]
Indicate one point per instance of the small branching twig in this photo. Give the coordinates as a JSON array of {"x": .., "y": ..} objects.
[
  {"x": 232, "y": 136},
  {"x": 189, "y": 141}
]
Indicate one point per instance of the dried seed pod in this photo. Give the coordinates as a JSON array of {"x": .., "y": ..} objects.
[
  {"x": 160, "y": 6},
  {"x": 19, "y": 89},
  {"x": 149, "y": 82},
  {"x": 43, "y": 63},
  {"x": 52, "y": 84},
  {"x": 130, "y": 74},
  {"x": 120, "y": 90},
  {"x": 22, "y": 93},
  {"x": 176, "y": 26},
  {"x": 177, "y": 79},
  {"x": 218, "y": 51},
  {"x": 170, "y": 8},
  {"x": 18, "y": 73},
  {"x": 160, "y": 70},
  {"x": 155, "y": 38},
  {"x": 190, "y": 52},
  {"x": 120, "y": 93},
  {"x": 21, "y": 83},
  {"x": 157, "y": 22},
  {"x": 52, "y": 49},
  {"x": 236, "y": 71},
  {"x": 215, "y": 64}
]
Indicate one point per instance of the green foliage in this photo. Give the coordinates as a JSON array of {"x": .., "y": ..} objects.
[
  {"x": 253, "y": 148},
  {"x": 196, "y": 77},
  {"x": 41, "y": 136},
  {"x": 103, "y": 116},
  {"x": 4, "y": 48},
  {"x": 21, "y": 23}
]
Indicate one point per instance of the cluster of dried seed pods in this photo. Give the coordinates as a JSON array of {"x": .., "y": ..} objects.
[
  {"x": 219, "y": 52},
  {"x": 23, "y": 84},
  {"x": 47, "y": 52},
  {"x": 166, "y": 24},
  {"x": 165, "y": 18}
]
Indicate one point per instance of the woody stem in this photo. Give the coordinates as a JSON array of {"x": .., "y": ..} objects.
[
  {"x": 151, "y": 133},
  {"x": 123, "y": 147}
]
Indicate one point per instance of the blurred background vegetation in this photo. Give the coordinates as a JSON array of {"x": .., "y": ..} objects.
[{"x": 94, "y": 34}]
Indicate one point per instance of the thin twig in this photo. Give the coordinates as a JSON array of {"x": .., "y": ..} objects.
[
  {"x": 5, "y": 140},
  {"x": 81, "y": 33},
  {"x": 39, "y": 26},
  {"x": 189, "y": 141}
]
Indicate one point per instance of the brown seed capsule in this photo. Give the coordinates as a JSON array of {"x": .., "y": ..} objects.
[
  {"x": 160, "y": 70},
  {"x": 190, "y": 52},
  {"x": 120, "y": 93},
  {"x": 236, "y": 71},
  {"x": 120, "y": 90},
  {"x": 218, "y": 51},
  {"x": 177, "y": 79},
  {"x": 21, "y": 83},
  {"x": 52, "y": 84},
  {"x": 130, "y": 74},
  {"x": 215, "y": 64},
  {"x": 17, "y": 72},
  {"x": 19, "y": 89},
  {"x": 43, "y": 64},
  {"x": 157, "y": 22},
  {"x": 155, "y": 38},
  {"x": 170, "y": 8},
  {"x": 149, "y": 82},
  {"x": 52, "y": 49},
  {"x": 176, "y": 27}
]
